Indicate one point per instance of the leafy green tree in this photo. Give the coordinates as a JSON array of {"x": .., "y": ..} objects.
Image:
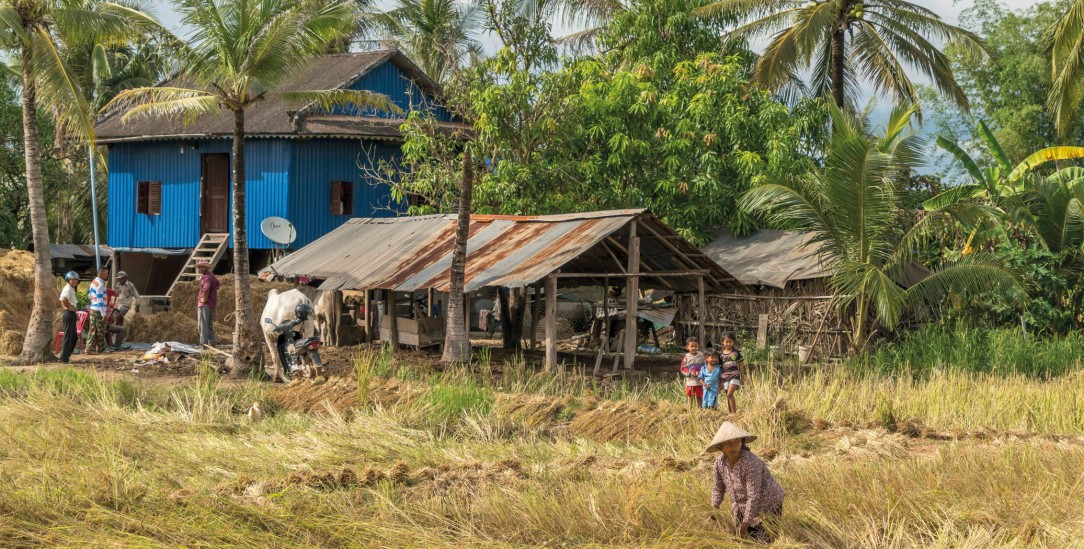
[
  {"x": 1009, "y": 89},
  {"x": 844, "y": 42},
  {"x": 439, "y": 35},
  {"x": 664, "y": 120},
  {"x": 852, "y": 207},
  {"x": 669, "y": 121},
  {"x": 1067, "y": 57},
  {"x": 33, "y": 29},
  {"x": 235, "y": 53}
]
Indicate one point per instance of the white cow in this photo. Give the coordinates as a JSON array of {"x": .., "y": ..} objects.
[
  {"x": 329, "y": 310},
  {"x": 280, "y": 308}
]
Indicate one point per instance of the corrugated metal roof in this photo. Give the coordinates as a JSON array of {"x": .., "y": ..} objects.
[
  {"x": 273, "y": 116},
  {"x": 411, "y": 253},
  {"x": 72, "y": 251},
  {"x": 775, "y": 258},
  {"x": 769, "y": 257}
]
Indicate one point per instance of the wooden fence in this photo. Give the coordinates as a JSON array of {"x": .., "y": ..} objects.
[{"x": 790, "y": 321}]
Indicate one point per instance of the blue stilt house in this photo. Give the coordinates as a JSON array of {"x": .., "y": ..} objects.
[{"x": 169, "y": 183}]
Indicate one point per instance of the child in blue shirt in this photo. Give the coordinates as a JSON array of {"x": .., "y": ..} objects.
[{"x": 709, "y": 377}]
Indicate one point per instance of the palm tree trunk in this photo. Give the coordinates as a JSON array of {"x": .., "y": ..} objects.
[
  {"x": 246, "y": 352},
  {"x": 456, "y": 341},
  {"x": 838, "y": 88},
  {"x": 38, "y": 332}
]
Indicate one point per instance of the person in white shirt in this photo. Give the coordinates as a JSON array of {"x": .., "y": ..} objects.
[
  {"x": 127, "y": 295},
  {"x": 69, "y": 301}
]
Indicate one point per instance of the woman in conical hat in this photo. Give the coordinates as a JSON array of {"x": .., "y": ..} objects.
[{"x": 753, "y": 490}]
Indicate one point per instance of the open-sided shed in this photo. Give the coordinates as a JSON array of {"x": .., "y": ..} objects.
[{"x": 630, "y": 248}]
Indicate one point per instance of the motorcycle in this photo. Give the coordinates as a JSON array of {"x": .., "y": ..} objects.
[{"x": 299, "y": 355}]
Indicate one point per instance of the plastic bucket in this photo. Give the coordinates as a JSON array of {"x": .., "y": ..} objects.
[{"x": 805, "y": 352}]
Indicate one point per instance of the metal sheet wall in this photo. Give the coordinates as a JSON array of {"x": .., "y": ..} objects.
[
  {"x": 318, "y": 162},
  {"x": 177, "y": 165},
  {"x": 390, "y": 81}
]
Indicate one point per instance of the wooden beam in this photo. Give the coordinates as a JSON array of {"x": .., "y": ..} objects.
[
  {"x": 551, "y": 323},
  {"x": 701, "y": 315},
  {"x": 659, "y": 274},
  {"x": 606, "y": 246},
  {"x": 632, "y": 296},
  {"x": 604, "y": 343},
  {"x": 680, "y": 254},
  {"x": 429, "y": 303}
]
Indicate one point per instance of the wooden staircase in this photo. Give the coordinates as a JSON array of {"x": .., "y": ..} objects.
[{"x": 211, "y": 248}]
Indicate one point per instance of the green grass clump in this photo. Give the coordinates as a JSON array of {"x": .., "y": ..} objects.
[
  {"x": 998, "y": 351},
  {"x": 449, "y": 403}
]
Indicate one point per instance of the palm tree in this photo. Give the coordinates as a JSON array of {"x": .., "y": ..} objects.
[
  {"x": 439, "y": 35},
  {"x": 33, "y": 29},
  {"x": 235, "y": 54},
  {"x": 843, "y": 42},
  {"x": 852, "y": 206},
  {"x": 1066, "y": 61},
  {"x": 101, "y": 71},
  {"x": 456, "y": 340}
]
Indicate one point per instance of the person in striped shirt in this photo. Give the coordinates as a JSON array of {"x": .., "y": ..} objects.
[{"x": 95, "y": 338}]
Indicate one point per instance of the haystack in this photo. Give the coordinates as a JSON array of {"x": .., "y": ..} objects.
[
  {"x": 179, "y": 324},
  {"x": 185, "y": 295},
  {"x": 16, "y": 298}
]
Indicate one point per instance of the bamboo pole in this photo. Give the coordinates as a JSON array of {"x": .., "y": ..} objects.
[{"x": 551, "y": 323}]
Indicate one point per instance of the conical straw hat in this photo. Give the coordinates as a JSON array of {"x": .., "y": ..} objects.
[{"x": 729, "y": 431}]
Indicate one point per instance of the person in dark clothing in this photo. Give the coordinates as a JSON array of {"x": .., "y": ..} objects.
[{"x": 70, "y": 303}]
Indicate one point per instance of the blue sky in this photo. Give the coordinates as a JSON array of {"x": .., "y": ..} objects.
[{"x": 949, "y": 10}]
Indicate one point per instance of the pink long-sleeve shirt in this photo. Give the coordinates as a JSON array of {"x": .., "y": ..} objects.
[{"x": 753, "y": 489}]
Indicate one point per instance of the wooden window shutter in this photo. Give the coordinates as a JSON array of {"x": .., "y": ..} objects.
[
  {"x": 143, "y": 197},
  {"x": 347, "y": 197},
  {"x": 154, "y": 198},
  {"x": 336, "y": 198}
]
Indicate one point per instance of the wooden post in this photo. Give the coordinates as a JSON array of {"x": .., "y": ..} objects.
[
  {"x": 701, "y": 315},
  {"x": 551, "y": 323},
  {"x": 617, "y": 355},
  {"x": 762, "y": 331},
  {"x": 536, "y": 308},
  {"x": 429, "y": 303},
  {"x": 393, "y": 319},
  {"x": 368, "y": 306},
  {"x": 632, "y": 296},
  {"x": 604, "y": 343}
]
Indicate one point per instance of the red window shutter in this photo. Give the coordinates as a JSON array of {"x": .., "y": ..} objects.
[
  {"x": 154, "y": 198},
  {"x": 336, "y": 199}
]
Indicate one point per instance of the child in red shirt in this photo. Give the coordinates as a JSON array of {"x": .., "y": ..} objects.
[{"x": 691, "y": 364}]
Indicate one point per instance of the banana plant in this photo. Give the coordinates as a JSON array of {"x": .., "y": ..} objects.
[{"x": 999, "y": 197}]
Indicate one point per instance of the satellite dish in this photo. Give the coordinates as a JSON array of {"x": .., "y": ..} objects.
[{"x": 278, "y": 230}]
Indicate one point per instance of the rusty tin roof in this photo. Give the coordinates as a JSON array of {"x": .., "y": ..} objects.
[{"x": 412, "y": 253}]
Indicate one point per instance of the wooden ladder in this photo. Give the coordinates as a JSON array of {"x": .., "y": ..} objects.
[{"x": 211, "y": 248}]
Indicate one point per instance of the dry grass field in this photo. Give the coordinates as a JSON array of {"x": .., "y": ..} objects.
[{"x": 419, "y": 458}]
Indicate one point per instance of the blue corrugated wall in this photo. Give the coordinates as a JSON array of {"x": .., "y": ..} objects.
[
  {"x": 286, "y": 178},
  {"x": 390, "y": 81},
  {"x": 267, "y": 165},
  {"x": 318, "y": 162}
]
